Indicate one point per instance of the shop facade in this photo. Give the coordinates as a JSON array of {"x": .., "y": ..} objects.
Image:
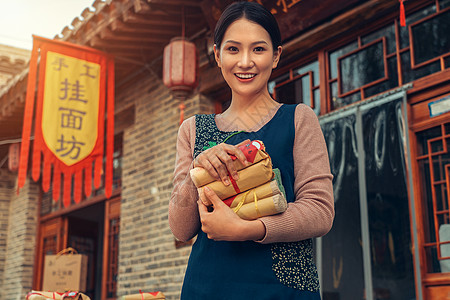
[{"x": 382, "y": 94}]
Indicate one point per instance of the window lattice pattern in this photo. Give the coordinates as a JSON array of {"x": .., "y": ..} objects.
[
  {"x": 113, "y": 248},
  {"x": 433, "y": 149},
  {"x": 373, "y": 63}
]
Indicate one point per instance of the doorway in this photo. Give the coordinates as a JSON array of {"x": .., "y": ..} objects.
[
  {"x": 85, "y": 234},
  {"x": 368, "y": 252},
  {"x": 91, "y": 230}
]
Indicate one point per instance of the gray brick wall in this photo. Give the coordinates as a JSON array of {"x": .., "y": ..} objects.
[
  {"x": 6, "y": 190},
  {"x": 148, "y": 259},
  {"x": 17, "y": 274}
]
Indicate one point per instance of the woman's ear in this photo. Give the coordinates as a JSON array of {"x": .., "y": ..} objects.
[
  {"x": 217, "y": 55},
  {"x": 276, "y": 57}
]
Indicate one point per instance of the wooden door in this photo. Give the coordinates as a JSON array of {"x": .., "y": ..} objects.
[
  {"x": 111, "y": 249},
  {"x": 431, "y": 174},
  {"x": 52, "y": 238}
]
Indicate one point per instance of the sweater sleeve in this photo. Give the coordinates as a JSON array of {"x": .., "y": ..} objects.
[
  {"x": 312, "y": 213},
  {"x": 184, "y": 218}
]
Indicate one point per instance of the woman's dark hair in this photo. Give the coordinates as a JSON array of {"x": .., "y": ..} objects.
[{"x": 253, "y": 12}]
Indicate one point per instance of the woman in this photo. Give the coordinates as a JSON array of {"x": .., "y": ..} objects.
[{"x": 271, "y": 257}]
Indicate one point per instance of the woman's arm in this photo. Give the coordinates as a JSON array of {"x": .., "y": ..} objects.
[
  {"x": 183, "y": 210},
  {"x": 312, "y": 213}
]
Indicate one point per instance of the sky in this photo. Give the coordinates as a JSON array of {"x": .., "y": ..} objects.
[{"x": 20, "y": 19}]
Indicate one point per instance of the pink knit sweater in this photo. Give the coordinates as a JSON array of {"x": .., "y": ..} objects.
[{"x": 312, "y": 213}]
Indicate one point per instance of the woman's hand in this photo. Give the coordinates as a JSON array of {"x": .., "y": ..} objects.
[
  {"x": 218, "y": 162},
  {"x": 223, "y": 224}
]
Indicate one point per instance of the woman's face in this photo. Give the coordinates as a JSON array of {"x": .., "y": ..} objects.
[{"x": 246, "y": 57}]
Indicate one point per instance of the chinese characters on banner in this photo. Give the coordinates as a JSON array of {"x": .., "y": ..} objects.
[{"x": 75, "y": 93}]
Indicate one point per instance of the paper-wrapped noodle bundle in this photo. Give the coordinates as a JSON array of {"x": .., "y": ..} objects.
[
  {"x": 250, "y": 177},
  {"x": 257, "y": 193},
  {"x": 144, "y": 296},
  {"x": 263, "y": 207},
  {"x": 253, "y": 151},
  {"x": 265, "y": 190},
  {"x": 264, "y": 200},
  {"x": 258, "y": 172},
  {"x": 41, "y": 295}
]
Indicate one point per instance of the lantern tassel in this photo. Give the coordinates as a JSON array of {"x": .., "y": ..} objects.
[
  {"x": 402, "y": 14},
  {"x": 182, "y": 107}
]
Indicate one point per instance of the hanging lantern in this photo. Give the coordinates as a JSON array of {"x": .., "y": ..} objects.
[
  {"x": 180, "y": 67},
  {"x": 13, "y": 157}
]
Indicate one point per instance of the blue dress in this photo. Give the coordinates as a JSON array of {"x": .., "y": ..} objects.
[{"x": 249, "y": 270}]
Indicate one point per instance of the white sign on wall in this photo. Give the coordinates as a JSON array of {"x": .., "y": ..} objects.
[{"x": 439, "y": 107}]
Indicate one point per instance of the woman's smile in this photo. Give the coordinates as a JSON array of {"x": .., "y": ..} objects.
[{"x": 245, "y": 77}]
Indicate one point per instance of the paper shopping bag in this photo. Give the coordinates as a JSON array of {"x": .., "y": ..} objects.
[{"x": 65, "y": 272}]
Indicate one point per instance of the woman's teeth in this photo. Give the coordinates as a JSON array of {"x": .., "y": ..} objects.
[{"x": 245, "y": 76}]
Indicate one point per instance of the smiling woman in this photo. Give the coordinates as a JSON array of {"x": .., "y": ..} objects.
[{"x": 270, "y": 257}]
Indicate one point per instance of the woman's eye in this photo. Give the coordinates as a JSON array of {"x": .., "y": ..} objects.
[
  {"x": 259, "y": 49},
  {"x": 232, "y": 49}
]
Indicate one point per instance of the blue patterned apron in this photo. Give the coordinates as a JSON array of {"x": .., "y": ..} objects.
[{"x": 250, "y": 270}]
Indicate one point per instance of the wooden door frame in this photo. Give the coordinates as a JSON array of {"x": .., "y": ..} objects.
[
  {"x": 57, "y": 226},
  {"x": 59, "y": 219},
  {"x": 112, "y": 210},
  {"x": 424, "y": 90}
]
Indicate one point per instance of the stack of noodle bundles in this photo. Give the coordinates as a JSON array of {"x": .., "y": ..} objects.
[
  {"x": 42, "y": 295},
  {"x": 257, "y": 193},
  {"x": 45, "y": 295}
]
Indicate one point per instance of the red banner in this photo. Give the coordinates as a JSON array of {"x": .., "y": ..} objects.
[{"x": 75, "y": 93}]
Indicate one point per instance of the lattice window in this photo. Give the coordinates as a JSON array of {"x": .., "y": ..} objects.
[
  {"x": 390, "y": 56},
  {"x": 113, "y": 248},
  {"x": 363, "y": 68},
  {"x": 300, "y": 85},
  {"x": 373, "y": 63},
  {"x": 433, "y": 157},
  {"x": 49, "y": 245},
  {"x": 429, "y": 39},
  {"x": 369, "y": 62}
]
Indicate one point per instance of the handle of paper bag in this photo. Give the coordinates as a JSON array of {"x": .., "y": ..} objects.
[{"x": 69, "y": 250}]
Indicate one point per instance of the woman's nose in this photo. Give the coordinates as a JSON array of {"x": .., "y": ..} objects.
[{"x": 246, "y": 60}]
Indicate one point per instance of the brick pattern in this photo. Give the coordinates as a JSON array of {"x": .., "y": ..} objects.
[
  {"x": 148, "y": 259},
  {"x": 17, "y": 272},
  {"x": 6, "y": 191}
]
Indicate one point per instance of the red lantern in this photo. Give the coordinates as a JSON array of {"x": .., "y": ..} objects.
[
  {"x": 180, "y": 68},
  {"x": 13, "y": 157}
]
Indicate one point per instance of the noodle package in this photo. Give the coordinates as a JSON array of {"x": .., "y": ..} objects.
[
  {"x": 264, "y": 200},
  {"x": 254, "y": 152},
  {"x": 144, "y": 296},
  {"x": 42, "y": 295},
  {"x": 258, "y": 192}
]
